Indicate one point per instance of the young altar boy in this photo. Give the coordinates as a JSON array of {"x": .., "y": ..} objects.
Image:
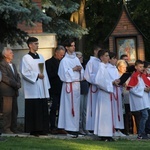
[
  {"x": 104, "y": 126},
  {"x": 139, "y": 87}
]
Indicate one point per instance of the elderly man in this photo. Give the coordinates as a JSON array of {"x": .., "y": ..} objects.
[{"x": 9, "y": 91}]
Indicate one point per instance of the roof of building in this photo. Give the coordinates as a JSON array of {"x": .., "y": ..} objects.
[{"x": 124, "y": 8}]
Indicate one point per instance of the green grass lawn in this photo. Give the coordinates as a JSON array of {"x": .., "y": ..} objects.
[{"x": 27, "y": 143}]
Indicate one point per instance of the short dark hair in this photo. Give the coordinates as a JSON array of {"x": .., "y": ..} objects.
[
  {"x": 123, "y": 55},
  {"x": 68, "y": 42},
  {"x": 112, "y": 55},
  {"x": 137, "y": 62},
  {"x": 96, "y": 47},
  {"x": 102, "y": 52},
  {"x": 146, "y": 64},
  {"x": 31, "y": 39}
]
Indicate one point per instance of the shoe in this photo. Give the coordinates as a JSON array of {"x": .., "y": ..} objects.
[
  {"x": 43, "y": 133},
  {"x": 16, "y": 132},
  {"x": 60, "y": 131},
  {"x": 116, "y": 134},
  {"x": 8, "y": 132},
  {"x": 110, "y": 139},
  {"x": 121, "y": 134},
  {"x": 142, "y": 137},
  {"x": 34, "y": 134},
  {"x": 54, "y": 131},
  {"x": 107, "y": 139},
  {"x": 72, "y": 135},
  {"x": 82, "y": 132},
  {"x": 87, "y": 132}
]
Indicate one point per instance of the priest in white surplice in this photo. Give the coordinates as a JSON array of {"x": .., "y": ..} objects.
[
  {"x": 104, "y": 114},
  {"x": 89, "y": 74},
  {"x": 36, "y": 85},
  {"x": 70, "y": 72}
]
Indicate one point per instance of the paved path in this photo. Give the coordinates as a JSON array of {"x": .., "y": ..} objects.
[{"x": 60, "y": 136}]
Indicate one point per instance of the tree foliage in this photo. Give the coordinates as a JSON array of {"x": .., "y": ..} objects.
[
  {"x": 60, "y": 12},
  {"x": 102, "y": 15},
  {"x": 14, "y": 12}
]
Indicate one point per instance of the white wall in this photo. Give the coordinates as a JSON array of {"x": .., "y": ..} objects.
[{"x": 47, "y": 43}]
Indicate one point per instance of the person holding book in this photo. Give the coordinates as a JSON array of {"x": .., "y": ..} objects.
[
  {"x": 116, "y": 96},
  {"x": 36, "y": 90},
  {"x": 90, "y": 72}
]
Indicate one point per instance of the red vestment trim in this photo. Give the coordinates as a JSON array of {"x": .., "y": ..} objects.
[{"x": 134, "y": 80}]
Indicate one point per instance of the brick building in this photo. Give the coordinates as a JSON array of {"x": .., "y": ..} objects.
[{"x": 126, "y": 37}]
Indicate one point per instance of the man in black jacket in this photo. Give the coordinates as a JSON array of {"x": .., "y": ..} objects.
[{"x": 52, "y": 66}]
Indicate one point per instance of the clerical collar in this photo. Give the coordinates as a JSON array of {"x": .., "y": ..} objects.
[{"x": 34, "y": 56}]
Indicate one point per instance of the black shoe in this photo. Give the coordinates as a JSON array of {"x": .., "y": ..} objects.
[
  {"x": 143, "y": 136},
  {"x": 43, "y": 133},
  {"x": 72, "y": 134},
  {"x": 54, "y": 131},
  {"x": 110, "y": 139},
  {"x": 107, "y": 139},
  {"x": 16, "y": 132},
  {"x": 34, "y": 133}
]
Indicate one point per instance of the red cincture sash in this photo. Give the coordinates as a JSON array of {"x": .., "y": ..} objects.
[
  {"x": 116, "y": 98},
  {"x": 91, "y": 91},
  {"x": 113, "y": 128}
]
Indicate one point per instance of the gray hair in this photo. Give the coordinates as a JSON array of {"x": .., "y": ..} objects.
[
  {"x": 60, "y": 47},
  {"x": 78, "y": 53},
  {"x": 5, "y": 50}
]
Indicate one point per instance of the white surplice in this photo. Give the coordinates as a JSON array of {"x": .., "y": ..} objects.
[
  {"x": 33, "y": 87},
  {"x": 138, "y": 98},
  {"x": 103, "y": 119},
  {"x": 70, "y": 94},
  {"x": 116, "y": 98},
  {"x": 90, "y": 72}
]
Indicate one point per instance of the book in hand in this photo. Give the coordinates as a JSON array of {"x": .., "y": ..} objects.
[
  {"x": 124, "y": 78},
  {"x": 41, "y": 67}
]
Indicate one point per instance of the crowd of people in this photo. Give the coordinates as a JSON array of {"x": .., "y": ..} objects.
[{"x": 105, "y": 96}]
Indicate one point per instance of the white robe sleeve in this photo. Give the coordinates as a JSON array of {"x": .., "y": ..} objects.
[
  {"x": 102, "y": 80},
  {"x": 137, "y": 91},
  {"x": 27, "y": 71},
  {"x": 89, "y": 75}
]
